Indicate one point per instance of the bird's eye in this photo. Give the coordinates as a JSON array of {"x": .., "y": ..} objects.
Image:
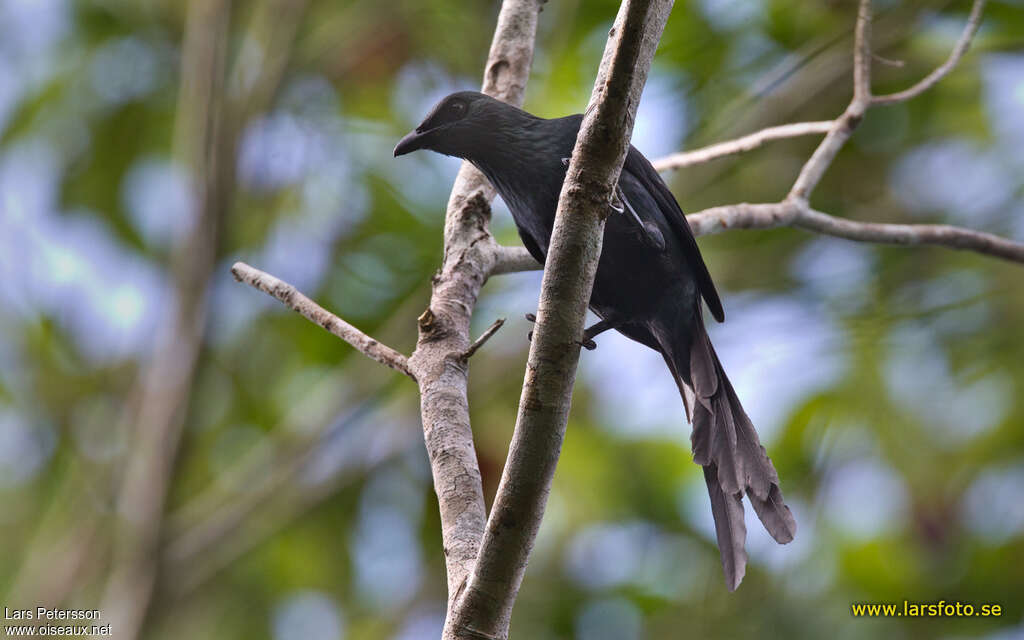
[{"x": 458, "y": 108}]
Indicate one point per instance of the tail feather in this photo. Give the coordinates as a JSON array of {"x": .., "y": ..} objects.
[
  {"x": 714, "y": 441},
  {"x": 762, "y": 486},
  {"x": 775, "y": 515},
  {"x": 726, "y": 445},
  {"x": 684, "y": 390},
  {"x": 704, "y": 378},
  {"x": 730, "y": 529}
]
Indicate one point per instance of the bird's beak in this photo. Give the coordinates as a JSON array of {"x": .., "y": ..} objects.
[{"x": 410, "y": 143}]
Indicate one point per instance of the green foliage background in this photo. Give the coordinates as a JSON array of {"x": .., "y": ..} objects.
[{"x": 888, "y": 381}]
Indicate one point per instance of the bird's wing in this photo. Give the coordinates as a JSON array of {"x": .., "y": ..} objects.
[
  {"x": 639, "y": 168},
  {"x": 531, "y": 245}
]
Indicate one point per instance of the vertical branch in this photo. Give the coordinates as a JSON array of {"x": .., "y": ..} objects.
[
  {"x": 484, "y": 609},
  {"x": 209, "y": 122},
  {"x": 862, "y": 55},
  {"x": 438, "y": 363},
  {"x": 844, "y": 125},
  {"x": 167, "y": 380}
]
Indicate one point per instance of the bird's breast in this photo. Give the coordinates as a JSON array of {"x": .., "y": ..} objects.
[{"x": 531, "y": 194}]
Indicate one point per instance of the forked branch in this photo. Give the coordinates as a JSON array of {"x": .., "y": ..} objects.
[
  {"x": 484, "y": 607},
  {"x": 929, "y": 81}
]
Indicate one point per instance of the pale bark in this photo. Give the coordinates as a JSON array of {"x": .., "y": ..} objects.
[
  {"x": 740, "y": 145},
  {"x": 796, "y": 213},
  {"x": 940, "y": 72},
  {"x": 799, "y": 214},
  {"x": 484, "y": 608},
  {"x": 438, "y": 362},
  {"x": 512, "y": 260},
  {"x": 313, "y": 312}
]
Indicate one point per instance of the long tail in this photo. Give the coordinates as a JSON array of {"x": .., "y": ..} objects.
[{"x": 726, "y": 445}]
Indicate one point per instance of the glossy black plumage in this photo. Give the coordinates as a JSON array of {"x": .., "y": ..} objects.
[{"x": 649, "y": 285}]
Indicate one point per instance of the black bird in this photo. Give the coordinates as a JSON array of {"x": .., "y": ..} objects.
[{"x": 649, "y": 285}]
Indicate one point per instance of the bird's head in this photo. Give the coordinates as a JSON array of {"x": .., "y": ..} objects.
[{"x": 457, "y": 125}]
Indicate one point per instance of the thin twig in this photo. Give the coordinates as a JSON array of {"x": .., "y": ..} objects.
[
  {"x": 484, "y": 337},
  {"x": 889, "y": 62},
  {"x": 843, "y": 127},
  {"x": 740, "y": 145},
  {"x": 862, "y": 55},
  {"x": 962, "y": 44},
  {"x": 797, "y": 213},
  {"x": 313, "y": 312},
  {"x": 912, "y": 234}
]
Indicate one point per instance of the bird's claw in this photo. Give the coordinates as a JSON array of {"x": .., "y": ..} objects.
[
  {"x": 616, "y": 203},
  {"x": 586, "y": 342}
]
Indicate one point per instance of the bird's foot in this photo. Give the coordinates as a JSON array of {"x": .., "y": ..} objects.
[
  {"x": 587, "y": 344},
  {"x": 587, "y": 341}
]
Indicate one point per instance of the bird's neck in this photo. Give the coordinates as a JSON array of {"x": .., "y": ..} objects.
[{"x": 523, "y": 160}]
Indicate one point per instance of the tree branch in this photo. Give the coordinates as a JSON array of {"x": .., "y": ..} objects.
[
  {"x": 740, "y": 145},
  {"x": 929, "y": 81},
  {"x": 742, "y": 216},
  {"x": 469, "y": 257},
  {"x": 208, "y": 124},
  {"x": 201, "y": 146},
  {"x": 316, "y": 314},
  {"x": 484, "y": 337},
  {"x": 912, "y": 234},
  {"x": 513, "y": 260},
  {"x": 795, "y": 213},
  {"x": 439, "y": 362},
  {"x": 843, "y": 127},
  {"x": 484, "y": 608},
  {"x": 795, "y": 210},
  {"x": 486, "y": 558},
  {"x": 862, "y": 55}
]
